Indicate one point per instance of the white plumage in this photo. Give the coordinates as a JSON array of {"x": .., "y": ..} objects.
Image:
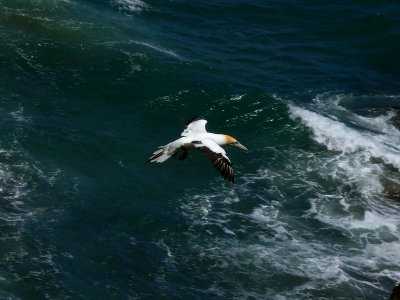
[{"x": 196, "y": 137}]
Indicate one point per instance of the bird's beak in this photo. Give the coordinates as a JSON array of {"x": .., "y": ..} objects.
[{"x": 239, "y": 145}]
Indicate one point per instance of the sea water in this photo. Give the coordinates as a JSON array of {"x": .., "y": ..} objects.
[{"x": 90, "y": 88}]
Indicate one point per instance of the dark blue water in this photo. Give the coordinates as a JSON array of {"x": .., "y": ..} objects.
[{"x": 90, "y": 88}]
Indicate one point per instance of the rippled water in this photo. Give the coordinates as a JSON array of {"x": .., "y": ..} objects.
[{"x": 90, "y": 88}]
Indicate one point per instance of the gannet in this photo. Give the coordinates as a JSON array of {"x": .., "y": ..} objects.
[{"x": 196, "y": 137}]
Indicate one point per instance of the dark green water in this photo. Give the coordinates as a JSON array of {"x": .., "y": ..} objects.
[{"x": 90, "y": 88}]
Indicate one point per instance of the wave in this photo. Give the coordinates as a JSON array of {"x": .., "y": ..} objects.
[
  {"x": 159, "y": 49},
  {"x": 27, "y": 209},
  {"x": 143, "y": 55},
  {"x": 131, "y": 5},
  {"x": 368, "y": 147},
  {"x": 318, "y": 221},
  {"x": 268, "y": 244},
  {"x": 378, "y": 138}
]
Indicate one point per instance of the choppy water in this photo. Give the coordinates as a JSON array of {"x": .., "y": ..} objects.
[{"x": 89, "y": 89}]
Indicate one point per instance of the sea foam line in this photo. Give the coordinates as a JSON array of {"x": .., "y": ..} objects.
[{"x": 160, "y": 49}]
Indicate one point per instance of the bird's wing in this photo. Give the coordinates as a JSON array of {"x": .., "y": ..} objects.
[
  {"x": 217, "y": 156},
  {"x": 194, "y": 126}
]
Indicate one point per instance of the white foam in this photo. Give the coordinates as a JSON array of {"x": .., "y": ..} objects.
[
  {"x": 358, "y": 140},
  {"x": 277, "y": 245},
  {"x": 373, "y": 220},
  {"x": 339, "y": 137},
  {"x": 19, "y": 116},
  {"x": 131, "y": 5},
  {"x": 345, "y": 192},
  {"x": 384, "y": 253}
]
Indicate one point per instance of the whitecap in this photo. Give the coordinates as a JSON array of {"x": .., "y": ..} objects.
[
  {"x": 320, "y": 218},
  {"x": 131, "y": 5},
  {"x": 337, "y": 136}
]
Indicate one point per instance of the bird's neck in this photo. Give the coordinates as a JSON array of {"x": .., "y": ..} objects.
[{"x": 220, "y": 139}]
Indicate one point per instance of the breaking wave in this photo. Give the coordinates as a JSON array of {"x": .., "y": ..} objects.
[
  {"x": 324, "y": 221},
  {"x": 379, "y": 139}
]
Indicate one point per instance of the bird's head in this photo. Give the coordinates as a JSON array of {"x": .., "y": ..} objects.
[{"x": 231, "y": 141}]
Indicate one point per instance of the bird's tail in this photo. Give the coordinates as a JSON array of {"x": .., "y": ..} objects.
[{"x": 159, "y": 155}]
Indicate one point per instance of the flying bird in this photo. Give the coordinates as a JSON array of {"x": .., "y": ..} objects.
[{"x": 196, "y": 137}]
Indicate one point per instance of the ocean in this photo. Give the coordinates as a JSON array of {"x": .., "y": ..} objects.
[{"x": 90, "y": 88}]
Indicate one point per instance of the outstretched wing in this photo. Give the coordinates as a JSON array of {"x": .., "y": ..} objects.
[
  {"x": 217, "y": 156},
  {"x": 194, "y": 126}
]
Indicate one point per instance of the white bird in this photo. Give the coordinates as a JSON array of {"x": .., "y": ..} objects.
[{"x": 196, "y": 137}]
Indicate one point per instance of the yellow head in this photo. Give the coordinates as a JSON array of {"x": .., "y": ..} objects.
[{"x": 231, "y": 141}]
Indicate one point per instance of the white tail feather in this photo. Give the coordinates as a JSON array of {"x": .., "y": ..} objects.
[{"x": 162, "y": 158}]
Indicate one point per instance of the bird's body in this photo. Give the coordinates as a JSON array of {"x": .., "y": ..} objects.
[{"x": 195, "y": 137}]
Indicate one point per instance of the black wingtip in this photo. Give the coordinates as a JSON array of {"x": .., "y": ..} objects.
[{"x": 155, "y": 156}]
